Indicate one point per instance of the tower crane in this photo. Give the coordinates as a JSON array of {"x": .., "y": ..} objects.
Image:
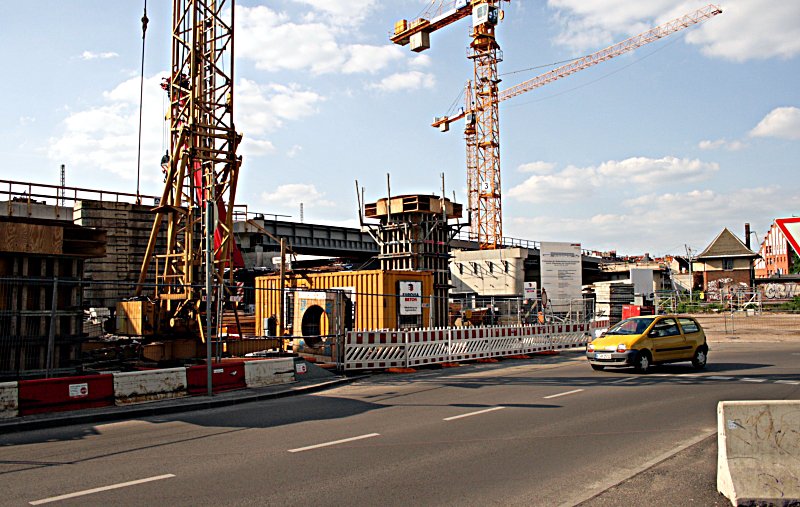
[
  {"x": 483, "y": 181},
  {"x": 202, "y": 167},
  {"x": 485, "y": 53}
]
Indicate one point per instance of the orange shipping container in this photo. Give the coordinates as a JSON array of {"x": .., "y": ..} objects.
[{"x": 374, "y": 295}]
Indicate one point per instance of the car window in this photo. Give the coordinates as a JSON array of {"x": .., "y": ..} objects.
[
  {"x": 630, "y": 326},
  {"x": 689, "y": 326},
  {"x": 665, "y": 327}
]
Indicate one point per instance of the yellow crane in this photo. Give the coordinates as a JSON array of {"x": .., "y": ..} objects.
[{"x": 481, "y": 130}]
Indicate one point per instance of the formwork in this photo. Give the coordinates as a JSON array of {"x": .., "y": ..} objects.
[
  {"x": 374, "y": 296},
  {"x": 414, "y": 235},
  {"x": 41, "y": 301}
]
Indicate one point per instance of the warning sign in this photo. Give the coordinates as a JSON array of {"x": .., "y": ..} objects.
[
  {"x": 791, "y": 229},
  {"x": 78, "y": 390}
]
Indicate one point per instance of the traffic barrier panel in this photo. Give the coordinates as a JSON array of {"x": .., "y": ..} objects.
[
  {"x": 9, "y": 400},
  {"x": 269, "y": 372},
  {"x": 63, "y": 394},
  {"x": 150, "y": 385},
  {"x": 228, "y": 376},
  {"x": 758, "y": 449}
]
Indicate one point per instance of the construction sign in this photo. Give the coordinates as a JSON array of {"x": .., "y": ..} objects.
[{"x": 791, "y": 229}]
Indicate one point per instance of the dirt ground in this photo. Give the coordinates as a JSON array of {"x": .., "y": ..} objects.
[{"x": 766, "y": 327}]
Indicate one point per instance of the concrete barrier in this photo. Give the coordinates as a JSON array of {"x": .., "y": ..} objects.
[
  {"x": 151, "y": 385},
  {"x": 758, "y": 461},
  {"x": 9, "y": 400},
  {"x": 269, "y": 372}
]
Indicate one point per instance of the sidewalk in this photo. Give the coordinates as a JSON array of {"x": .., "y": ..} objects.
[{"x": 171, "y": 406}]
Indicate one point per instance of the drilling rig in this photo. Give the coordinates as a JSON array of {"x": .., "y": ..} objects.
[{"x": 194, "y": 218}]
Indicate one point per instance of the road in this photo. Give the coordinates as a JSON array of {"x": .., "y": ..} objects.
[{"x": 546, "y": 431}]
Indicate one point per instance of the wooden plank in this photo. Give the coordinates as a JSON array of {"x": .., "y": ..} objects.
[{"x": 18, "y": 237}]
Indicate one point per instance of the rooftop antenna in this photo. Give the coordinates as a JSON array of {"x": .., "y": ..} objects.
[{"x": 63, "y": 184}]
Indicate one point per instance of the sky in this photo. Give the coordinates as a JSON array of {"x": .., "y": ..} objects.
[{"x": 650, "y": 152}]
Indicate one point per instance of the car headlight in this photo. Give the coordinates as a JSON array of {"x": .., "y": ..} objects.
[
  {"x": 621, "y": 347},
  {"x": 590, "y": 347}
]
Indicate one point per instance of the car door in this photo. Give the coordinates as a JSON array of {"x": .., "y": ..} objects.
[
  {"x": 668, "y": 341},
  {"x": 693, "y": 335}
]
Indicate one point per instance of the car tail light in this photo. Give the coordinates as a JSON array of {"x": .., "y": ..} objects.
[{"x": 621, "y": 347}]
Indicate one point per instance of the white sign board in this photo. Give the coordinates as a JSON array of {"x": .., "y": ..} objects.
[
  {"x": 561, "y": 274},
  {"x": 78, "y": 390},
  {"x": 410, "y": 298},
  {"x": 530, "y": 290}
]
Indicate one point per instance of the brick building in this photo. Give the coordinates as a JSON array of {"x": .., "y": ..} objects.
[
  {"x": 777, "y": 257},
  {"x": 726, "y": 262}
]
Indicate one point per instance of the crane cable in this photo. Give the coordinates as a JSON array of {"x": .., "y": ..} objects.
[{"x": 141, "y": 95}]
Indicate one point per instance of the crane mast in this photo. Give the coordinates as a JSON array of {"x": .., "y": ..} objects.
[{"x": 202, "y": 171}]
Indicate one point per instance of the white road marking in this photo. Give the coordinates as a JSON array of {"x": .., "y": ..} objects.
[
  {"x": 719, "y": 378},
  {"x": 790, "y": 382},
  {"x": 472, "y": 413},
  {"x": 746, "y": 379},
  {"x": 562, "y": 394},
  {"x": 622, "y": 380},
  {"x": 98, "y": 490},
  {"x": 335, "y": 442}
]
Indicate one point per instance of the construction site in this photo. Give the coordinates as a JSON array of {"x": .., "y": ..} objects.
[{"x": 95, "y": 280}]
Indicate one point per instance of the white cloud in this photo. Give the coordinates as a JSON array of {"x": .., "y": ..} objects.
[
  {"x": 412, "y": 80},
  {"x": 746, "y": 29},
  {"x": 721, "y": 144},
  {"x": 294, "y": 151},
  {"x": 341, "y": 12},
  {"x": 781, "y": 122},
  {"x": 254, "y": 147},
  {"x": 662, "y": 222},
  {"x": 263, "y": 108},
  {"x": 90, "y": 55},
  {"x": 420, "y": 61},
  {"x": 292, "y": 194},
  {"x": 273, "y": 43},
  {"x": 26, "y": 120},
  {"x": 537, "y": 167},
  {"x": 581, "y": 182}
]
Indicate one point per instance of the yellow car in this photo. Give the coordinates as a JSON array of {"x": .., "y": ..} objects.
[{"x": 653, "y": 339}]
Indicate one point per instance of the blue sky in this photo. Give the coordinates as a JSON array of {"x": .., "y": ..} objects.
[{"x": 643, "y": 153}]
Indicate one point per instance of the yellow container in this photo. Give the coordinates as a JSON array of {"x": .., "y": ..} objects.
[
  {"x": 401, "y": 26},
  {"x": 374, "y": 295}
]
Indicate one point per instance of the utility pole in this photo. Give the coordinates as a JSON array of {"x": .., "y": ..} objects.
[{"x": 691, "y": 274}]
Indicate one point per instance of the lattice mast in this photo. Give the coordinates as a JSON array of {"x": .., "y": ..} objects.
[{"x": 202, "y": 171}]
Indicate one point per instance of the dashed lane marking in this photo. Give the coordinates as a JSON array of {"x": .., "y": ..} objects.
[
  {"x": 747, "y": 379},
  {"x": 335, "y": 442},
  {"x": 790, "y": 382},
  {"x": 626, "y": 379},
  {"x": 717, "y": 377},
  {"x": 101, "y": 489},
  {"x": 562, "y": 394},
  {"x": 473, "y": 413}
]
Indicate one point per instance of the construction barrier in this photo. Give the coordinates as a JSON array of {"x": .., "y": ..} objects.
[
  {"x": 758, "y": 452},
  {"x": 269, "y": 372},
  {"x": 408, "y": 348},
  {"x": 62, "y": 394},
  {"x": 9, "y": 396},
  {"x": 150, "y": 385},
  {"x": 228, "y": 376}
]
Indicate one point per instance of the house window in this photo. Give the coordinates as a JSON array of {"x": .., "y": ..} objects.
[{"x": 727, "y": 264}]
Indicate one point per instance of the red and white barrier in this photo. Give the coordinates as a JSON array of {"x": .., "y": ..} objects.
[{"x": 269, "y": 372}]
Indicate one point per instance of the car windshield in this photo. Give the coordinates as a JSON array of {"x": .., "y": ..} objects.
[{"x": 630, "y": 326}]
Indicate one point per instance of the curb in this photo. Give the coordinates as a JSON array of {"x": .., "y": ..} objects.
[{"x": 169, "y": 407}]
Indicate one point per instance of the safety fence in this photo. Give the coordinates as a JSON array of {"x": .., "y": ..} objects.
[{"x": 409, "y": 348}]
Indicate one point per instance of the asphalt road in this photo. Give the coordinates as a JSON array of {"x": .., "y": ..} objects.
[{"x": 546, "y": 431}]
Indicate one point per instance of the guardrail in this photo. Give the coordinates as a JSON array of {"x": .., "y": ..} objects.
[{"x": 408, "y": 348}]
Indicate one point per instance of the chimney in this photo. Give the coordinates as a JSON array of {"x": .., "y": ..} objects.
[{"x": 747, "y": 235}]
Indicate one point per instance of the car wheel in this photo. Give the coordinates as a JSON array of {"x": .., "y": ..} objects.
[
  {"x": 642, "y": 363},
  {"x": 598, "y": 367},
  {"x": 700, "y": 358}
]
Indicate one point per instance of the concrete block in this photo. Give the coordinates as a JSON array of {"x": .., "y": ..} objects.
[
  {"x": 269, "y": 372},
  {"x": 758, "y": 461},
  {"x": 9, "y": 400},
  {"x": 152, "y": 385}
]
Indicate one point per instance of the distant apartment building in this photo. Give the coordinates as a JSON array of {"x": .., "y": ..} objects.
[{"x": 776, "y": 255}]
